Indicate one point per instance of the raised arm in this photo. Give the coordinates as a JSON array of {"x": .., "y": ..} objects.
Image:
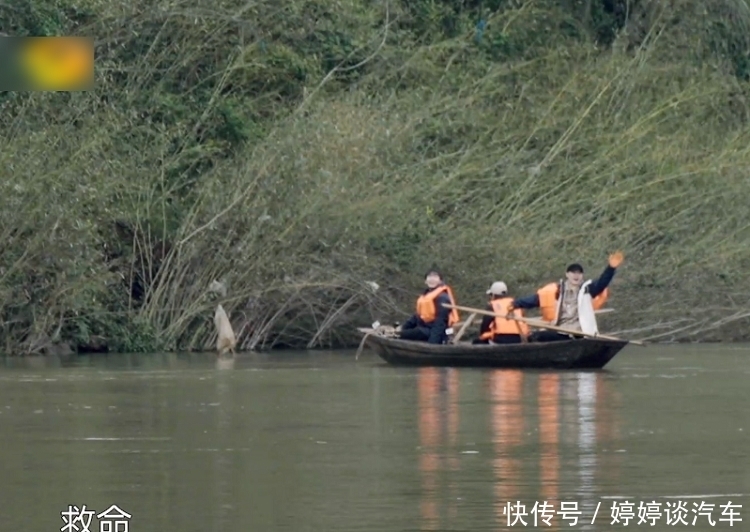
[{"x": 598, "y": 286}]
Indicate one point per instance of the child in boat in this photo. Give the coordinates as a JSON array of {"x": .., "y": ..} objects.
[{"x": 501, "y": 330}]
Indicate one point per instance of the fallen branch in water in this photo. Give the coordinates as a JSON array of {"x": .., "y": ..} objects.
[
  {"x": 362, "y": 345},
  {"x": 672, "y": 332},
  {"x": 379, "y": 330},
  {"x": 660, "y": 325},
  {"x": 694, "y": 326},
  {"x": 740, "y": 315}
]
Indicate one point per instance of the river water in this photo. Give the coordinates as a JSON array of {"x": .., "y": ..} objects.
[{"x": 318, "y": 441}]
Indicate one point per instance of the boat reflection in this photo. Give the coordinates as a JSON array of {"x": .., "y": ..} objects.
[
  {"x": 553, "y": 443},
  {"x": 507, "y": 425},
  {"x": 453, "y": 424},
  {"x": 587, "y": 453},
  {"x": 428, "y": 385},
  {"x": 435, "y": 387},
  {"x": 549, "y": 433}
]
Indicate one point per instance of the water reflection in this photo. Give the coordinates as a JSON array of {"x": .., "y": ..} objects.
[
  {"x": 222, "y": 459},
  {"x": 225, "y": 363},
  {"x": 438, "y": 435},
  {"x": 549, "y": 431},
  {"x": 587, "y": 443},
  {"x": 429, "y": 437},
  {"x": 453, "y": 424},
  {"x": 506, "y": 396},
  {"x": 556, "y": 429}
]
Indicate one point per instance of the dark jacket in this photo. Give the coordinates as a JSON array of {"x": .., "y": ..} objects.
[
  {"x": 436, "y": 327},
  {"x": 595, "y": 288}
]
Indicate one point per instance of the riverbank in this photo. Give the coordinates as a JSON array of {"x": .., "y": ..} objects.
[{"x": 300, "y": 155}]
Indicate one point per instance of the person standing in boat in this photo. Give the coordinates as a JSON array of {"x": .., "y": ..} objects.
[
  {"x": 501, "y": 330},
  {"x": 570, "y": 302},
  {"x": 432, "y": 319}
]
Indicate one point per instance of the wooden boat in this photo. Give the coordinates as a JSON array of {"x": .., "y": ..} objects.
[{"x": 585, "y": 353}]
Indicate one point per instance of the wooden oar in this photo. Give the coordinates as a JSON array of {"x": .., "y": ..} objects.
[
  {"x": 542, "y": 324},
  {"x": 463, "y": 328},
  {"x": 524, "y": 338},
  {"x": 531, "y": 321}
]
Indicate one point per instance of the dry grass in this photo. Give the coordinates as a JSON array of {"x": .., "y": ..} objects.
[{"x": 490, "y": 170}]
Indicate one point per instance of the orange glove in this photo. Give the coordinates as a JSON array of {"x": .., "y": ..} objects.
[{"x": 615, "y": 259}]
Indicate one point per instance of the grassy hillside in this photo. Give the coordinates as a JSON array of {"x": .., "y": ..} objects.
[{"x": 297, "y": 150}]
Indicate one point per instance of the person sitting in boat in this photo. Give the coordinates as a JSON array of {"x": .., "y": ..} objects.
[
  {"x": 432, "y": 319},
  {"x": 501, "y": 330},
  {"x": 571, "y": 303}
]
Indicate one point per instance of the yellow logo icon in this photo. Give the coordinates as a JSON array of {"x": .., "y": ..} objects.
[{"x": 58, "y": 63}]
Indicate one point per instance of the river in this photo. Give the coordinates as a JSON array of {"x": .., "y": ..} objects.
[{"x": 318, "y": 441}]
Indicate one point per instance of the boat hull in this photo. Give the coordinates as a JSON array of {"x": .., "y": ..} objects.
[{"x": 586, "y": 353}]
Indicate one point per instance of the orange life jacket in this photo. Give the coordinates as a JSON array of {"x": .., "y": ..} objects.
[
  {"x": 550, "y": 301},
  {"x": 599, "y": 301},
  {"x": 426, "y": 306},
  {"x": 504, "y": 325}
]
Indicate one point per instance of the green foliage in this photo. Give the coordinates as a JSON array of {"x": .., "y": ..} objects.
[{"x": 297, "y": 151}]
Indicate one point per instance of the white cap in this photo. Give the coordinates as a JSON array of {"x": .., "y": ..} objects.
[{"x": 498, "y": 288}]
